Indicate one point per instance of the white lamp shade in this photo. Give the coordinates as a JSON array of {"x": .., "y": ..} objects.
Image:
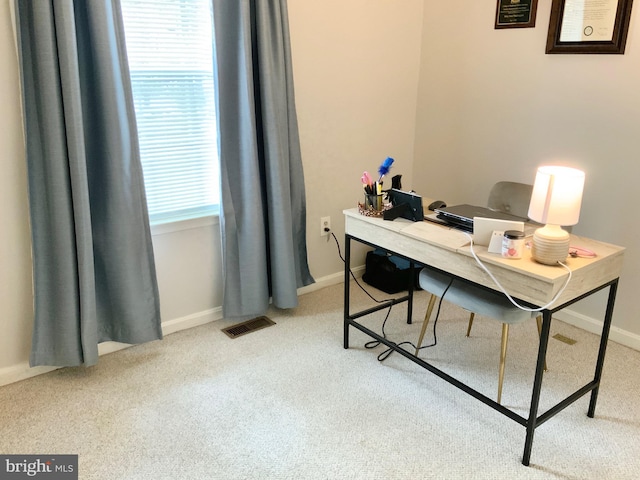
[{"x": 557, "y": 195}]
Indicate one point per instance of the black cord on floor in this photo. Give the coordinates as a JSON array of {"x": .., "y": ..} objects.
[
  {"x": 374, "y": 343},
  {"x": 385, "y": 354}
]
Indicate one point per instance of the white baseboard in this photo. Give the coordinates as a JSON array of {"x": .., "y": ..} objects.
[
  {"x": 618, "y": 335},
  {"x": 169, "y": 327},
  {"x": 193, "y": 320},
  {"x": 330, "y": 280},
  {"x": 23, "y": 371}
]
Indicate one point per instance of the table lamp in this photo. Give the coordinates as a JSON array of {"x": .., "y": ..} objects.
[{"x": 555, "y": 201}]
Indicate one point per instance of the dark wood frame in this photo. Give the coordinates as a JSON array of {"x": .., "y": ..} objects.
[
  {"x": 615, "y": 46},
  {"x": 531, "y": 22}
]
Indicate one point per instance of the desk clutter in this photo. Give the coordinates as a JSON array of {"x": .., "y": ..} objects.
[
  {"x": 391, "y": 203},
  {"x": 389, "y": 273},
  {"x": 374, "y": 204}
]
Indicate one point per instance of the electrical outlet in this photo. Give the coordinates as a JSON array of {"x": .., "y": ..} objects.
[{"x": 325, "y": 226}]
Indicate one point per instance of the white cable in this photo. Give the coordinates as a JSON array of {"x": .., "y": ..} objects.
[{"x": 505, "y": 292}]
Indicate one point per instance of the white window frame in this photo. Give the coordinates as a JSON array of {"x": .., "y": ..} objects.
[{"x": 153, "y": 58}]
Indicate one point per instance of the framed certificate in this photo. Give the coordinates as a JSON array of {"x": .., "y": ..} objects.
[
  {"x": 516, "y": 13},
  {"x": 588, "y": 26}
]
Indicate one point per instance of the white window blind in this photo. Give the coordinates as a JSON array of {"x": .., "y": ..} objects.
[{"x": 169, "y": 46}]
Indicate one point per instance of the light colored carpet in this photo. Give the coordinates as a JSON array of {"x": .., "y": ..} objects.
[{"x": 288, "y": 402}]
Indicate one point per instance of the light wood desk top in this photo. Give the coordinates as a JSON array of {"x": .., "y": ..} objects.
[{"x": 448, "y": 249}]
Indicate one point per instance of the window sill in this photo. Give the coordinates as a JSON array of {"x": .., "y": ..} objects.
[{"x": 177, "y": 225}]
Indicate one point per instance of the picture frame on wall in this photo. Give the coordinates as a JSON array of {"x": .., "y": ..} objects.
[
  {"x": 588, "y": 26},
  {"x": 516, "y": 13}
]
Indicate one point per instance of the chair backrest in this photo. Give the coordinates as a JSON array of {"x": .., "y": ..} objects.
[{"x": 511, "y": 197}]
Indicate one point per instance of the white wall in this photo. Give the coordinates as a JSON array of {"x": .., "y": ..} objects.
[
  {"x": 356, "y": 77},
  {"x": 492, "y": 105},
  {"x": 15, "y": 250},
  {"x": 431, "y": 84},
  {"x": 189, "y": 268},
  {"x": 356, "y": 69}
]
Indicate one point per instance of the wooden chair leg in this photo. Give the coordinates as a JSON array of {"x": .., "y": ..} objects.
[
  {"x": 470, "y": 323},
  {"x": 427, "y": 316},
  {"x": 539, "y": 322},
  {"x": 503, "y": 357}
]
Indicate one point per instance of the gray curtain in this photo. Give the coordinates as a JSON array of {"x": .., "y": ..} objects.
[
  {"x": 94, "y": 273},
  {"x": 263, "y": 210}
]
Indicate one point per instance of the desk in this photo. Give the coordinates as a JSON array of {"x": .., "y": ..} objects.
[{"x": 532, "y": 284}]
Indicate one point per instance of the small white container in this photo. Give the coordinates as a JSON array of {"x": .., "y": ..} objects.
[{"x": 512, "y": 244}]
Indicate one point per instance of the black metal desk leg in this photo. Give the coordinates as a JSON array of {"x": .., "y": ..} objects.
[
  {"x": 537, "y": 386},
  {"x": 603, "y": 347},
  {"x": 347, "y": 285}
]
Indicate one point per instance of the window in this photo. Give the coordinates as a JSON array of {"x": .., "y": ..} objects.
[{"x": 169, "y": 46}]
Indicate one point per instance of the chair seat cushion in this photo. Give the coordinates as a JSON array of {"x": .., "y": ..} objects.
[{"x": 472, "y": 298}]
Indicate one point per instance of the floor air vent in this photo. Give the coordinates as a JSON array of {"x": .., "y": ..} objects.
[
  {"x": 239, "y": 329},
  {"x": 562, "y": 338}
]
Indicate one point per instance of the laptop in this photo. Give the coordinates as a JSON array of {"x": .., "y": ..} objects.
[{"x": 461, "y": 216}]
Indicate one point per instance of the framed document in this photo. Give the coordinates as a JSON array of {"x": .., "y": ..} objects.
[
  {"x": 516, "y": 13},
  {"x": 588, "y": 26}
]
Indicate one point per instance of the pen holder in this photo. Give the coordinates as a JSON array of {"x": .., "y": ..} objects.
[{"x": 373, "y": 202}]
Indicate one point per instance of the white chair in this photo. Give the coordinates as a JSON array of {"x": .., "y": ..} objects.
[
  {"x": 513, "y": 198},
  {"x": 508, "y": 197}
]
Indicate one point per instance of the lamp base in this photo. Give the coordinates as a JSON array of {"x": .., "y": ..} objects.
[{"x": 550, "y": 245}]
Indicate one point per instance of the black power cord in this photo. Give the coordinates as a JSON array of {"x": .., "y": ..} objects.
[
  {"x": 374, "y": 343},
  {"x": 385, "y": 354},
  {"x": 354, "y": 277}
]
